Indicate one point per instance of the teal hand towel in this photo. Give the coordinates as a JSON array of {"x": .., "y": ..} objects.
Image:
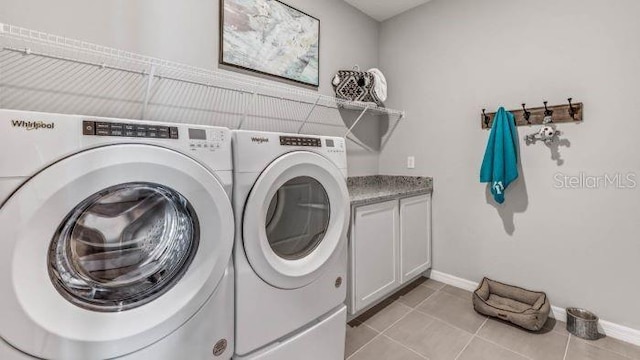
[{"x": 500, "y": 164}]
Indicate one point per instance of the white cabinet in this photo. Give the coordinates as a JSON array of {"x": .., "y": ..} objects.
[
  {"x": 415, "y": 236},
  {"x": 374, "y": 252},
  {"x": 390, "y": 244}
]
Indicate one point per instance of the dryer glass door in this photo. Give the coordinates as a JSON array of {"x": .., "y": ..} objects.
[{"x": 296, "y": 219}]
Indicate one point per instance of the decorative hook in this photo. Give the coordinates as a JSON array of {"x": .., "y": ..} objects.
[
  {"x": 547, "y": 114},
  {"x": 572, "y": 110},
  {"x": 486, "y": 118},
  {"x": 527, "y": 114}
]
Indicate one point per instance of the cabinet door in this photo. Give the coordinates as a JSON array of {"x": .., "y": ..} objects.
[
  {"x": 374, "y": 253},
  {"x": 415, "y": 236}
]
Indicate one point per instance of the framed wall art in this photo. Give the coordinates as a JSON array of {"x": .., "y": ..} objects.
[{"x": 270, "y": 37}]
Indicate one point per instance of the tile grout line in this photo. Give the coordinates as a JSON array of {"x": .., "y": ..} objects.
[
  {"x": 594, "y": 344},
  {"x": 502, "y": 347},
  {"x": 481, "y": 326},
  {"x": 363, "y": 346},
  {"x": 427, "y": 298},
  {"x": 406, "y": 347},
  {"x": 404, "y": 316},
  {"x": 379, "y": 332},
  {"x": 397, "y": 321},
  {"x": 465, "y": 347},
  {"x": 442, "y": 320},
  {"x": 446, "y": 322},
  {"x": 473, "y": 336},
  {"x": 566, "y": 349},
  {"x": 442, "y": 287}
]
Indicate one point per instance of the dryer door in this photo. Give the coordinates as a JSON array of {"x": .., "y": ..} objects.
[
  {"x": 295, "y": 219},
  {"x": 110, "y": 250}
]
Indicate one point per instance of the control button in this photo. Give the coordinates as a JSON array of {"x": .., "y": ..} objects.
[
  {"x": 103, "y": 132},
  {"x": 115, "y": 132},
  {"x": 119, "y": 127},
  {"x": 88, "y": 128},
  {"x": 152, "y": 134},
  {"x": 173, "y": 132},
  {"x": 153, "y": 128},
  {"x": 163, "y": 132},
  {"x": 102, "y": 126},
  {"x": 129, "y": 133},
  {"x": 129, "y": 127},
  {"x": 141, "y": 133}
]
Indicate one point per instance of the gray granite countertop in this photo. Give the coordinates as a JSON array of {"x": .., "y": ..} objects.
[{"x": 365, "y": 190}]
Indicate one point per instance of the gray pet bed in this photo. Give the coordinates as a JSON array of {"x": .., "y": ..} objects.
[{"x": 527, "y": 309}]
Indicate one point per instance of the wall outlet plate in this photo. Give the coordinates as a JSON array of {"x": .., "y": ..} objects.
[{"x": 411, "y": 162}]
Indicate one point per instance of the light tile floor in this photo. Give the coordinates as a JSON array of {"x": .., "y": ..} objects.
[{"x": 434, "y": 321}]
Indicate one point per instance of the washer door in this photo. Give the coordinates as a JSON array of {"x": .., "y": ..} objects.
[
  {"x": 110, "y": 250},
  {"x": 295, "y": 219}
]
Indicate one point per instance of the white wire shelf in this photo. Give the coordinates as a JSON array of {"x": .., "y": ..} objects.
[{"x": 49, "y": 73}]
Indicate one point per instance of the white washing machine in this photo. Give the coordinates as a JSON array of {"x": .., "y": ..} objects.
[
  {"x": 116, "y": 239},
  {"x": 292, "y": 213}
]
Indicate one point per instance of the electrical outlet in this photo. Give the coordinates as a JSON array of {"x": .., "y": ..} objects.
[{"x": 411, "y": 162}]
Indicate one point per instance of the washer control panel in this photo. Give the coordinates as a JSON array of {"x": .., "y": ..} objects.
[
  {"x": 210, "y": 139},
  {"x": 334, "y": 145},
  {"x": 101, "y": 128},
  {"x": 300, "y": 141},
  {"x": 196, "y": 139}
]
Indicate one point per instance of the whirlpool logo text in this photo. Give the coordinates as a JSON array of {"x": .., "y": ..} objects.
[
  {"x": 259, "y": 140},
  {"x": 32, "y": 125}
]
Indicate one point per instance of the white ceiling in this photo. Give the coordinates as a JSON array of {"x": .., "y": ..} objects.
[{"x": 384, "y": 9}]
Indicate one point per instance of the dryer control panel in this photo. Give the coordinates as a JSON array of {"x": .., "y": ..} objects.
[{"x": 300, "y": 141}]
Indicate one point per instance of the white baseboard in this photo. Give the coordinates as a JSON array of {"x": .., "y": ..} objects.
[
  {"x": 610, "y": 329},
  {"x": 453, "y": 281}
]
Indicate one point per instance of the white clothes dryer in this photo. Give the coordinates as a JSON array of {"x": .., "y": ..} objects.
[
  {"x": 116, "y": 239},
  {"x": 292, "y": 214}
]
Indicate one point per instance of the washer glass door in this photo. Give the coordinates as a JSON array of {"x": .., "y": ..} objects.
[{"x": 123, "y": 246}]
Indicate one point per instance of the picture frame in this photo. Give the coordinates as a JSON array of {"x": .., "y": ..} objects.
[{"x": 271, "y": 38}]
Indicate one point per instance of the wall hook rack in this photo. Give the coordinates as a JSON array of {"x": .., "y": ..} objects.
[{"x": 566, "y": 113}]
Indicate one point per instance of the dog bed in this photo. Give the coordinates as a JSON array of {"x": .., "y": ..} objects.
[{"x": 525, "y": 308}]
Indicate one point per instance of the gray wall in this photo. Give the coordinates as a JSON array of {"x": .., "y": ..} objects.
[
  {"x": 448, "y": 59},
  {"x": 187, "y": 31}
]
